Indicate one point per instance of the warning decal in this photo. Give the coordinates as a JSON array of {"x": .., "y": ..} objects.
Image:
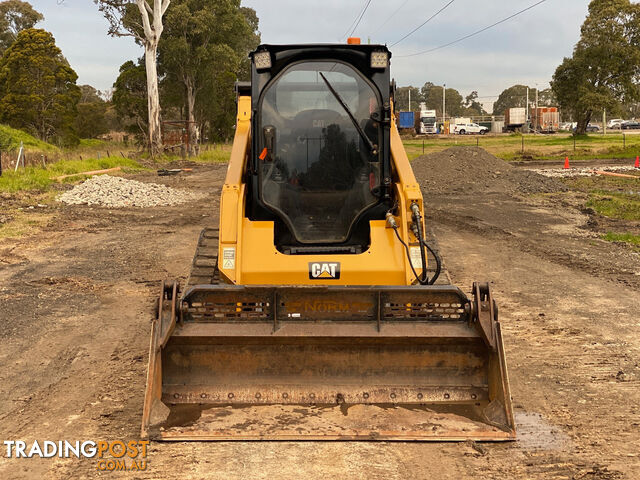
[{"x": 229, "y": 258}]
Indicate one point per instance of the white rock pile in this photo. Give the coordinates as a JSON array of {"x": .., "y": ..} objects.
[{"x": 117, "y": 192}]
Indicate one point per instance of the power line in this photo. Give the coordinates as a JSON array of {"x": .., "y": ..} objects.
[
  {"x": 389, "y": 18},
  {"x": 474, "y": 33},
  {"x": 424, "y": 23},
  {"x": 357, "y": 20}
]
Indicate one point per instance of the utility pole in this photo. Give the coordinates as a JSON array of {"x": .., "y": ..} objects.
[
  {"x": 536, "y": 108},
  {"x": 409, "y": 98},
  {"x": 526, "y": 116},
  {"x": 444, "y": 103}
]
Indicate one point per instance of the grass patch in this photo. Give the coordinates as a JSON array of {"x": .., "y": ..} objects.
[
  {"x": 37, "y": 178},
  {"x": 629, "y": 238},
  {"x": 623, "y": 206},
  {"x": 10, "y": 139}
]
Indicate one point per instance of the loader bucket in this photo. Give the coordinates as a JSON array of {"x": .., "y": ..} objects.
[{"x": 234, "y": 362}]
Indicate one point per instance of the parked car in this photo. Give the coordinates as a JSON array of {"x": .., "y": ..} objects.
[
  {"x": 630, "y": 125},
  {"x": 567, "y": 126},
  {"x": 464, "y": 128},
  {"x": 615, "y": 123},
  {"x": 590, "y": 128}
]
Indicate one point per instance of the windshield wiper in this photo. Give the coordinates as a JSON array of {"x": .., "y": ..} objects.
[{"x": 365, "y": 139}]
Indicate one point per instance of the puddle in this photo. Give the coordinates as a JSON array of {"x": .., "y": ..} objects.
[{"x": 535, "y": 433}]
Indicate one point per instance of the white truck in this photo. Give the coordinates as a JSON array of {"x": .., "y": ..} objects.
[
  {"x": 467, "y": 128},
  {"x": 428, "y": 121}
]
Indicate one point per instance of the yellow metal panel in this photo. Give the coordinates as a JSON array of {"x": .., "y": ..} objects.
[{"x": 262, "y": 264}]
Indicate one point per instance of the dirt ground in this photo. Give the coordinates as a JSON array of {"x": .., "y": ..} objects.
[{"x": 76, "y": 303}]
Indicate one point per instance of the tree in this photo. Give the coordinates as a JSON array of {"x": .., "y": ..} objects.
[
  {"x": 402, "y": 98},
  {"x": 472, "y": 106},
  {"x": 38, "y": 90},
  {"x": 513, "y": 97},
  {"x": 130, "y": 98},
  {"x": 91, "y": 120},
  {"x": 202, "y": 41},
  {"x": 146, "y": 26},
  {"x": 15, "y": 16},
  {"x": 604, "y": 71},
  {"x": 433, "y": 98}
]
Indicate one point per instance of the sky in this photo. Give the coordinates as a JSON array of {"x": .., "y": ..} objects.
[{"x": 526, "y": 49}]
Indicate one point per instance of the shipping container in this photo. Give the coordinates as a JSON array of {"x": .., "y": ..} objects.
[
  {"x": 406, "y": 120},
  {"x": 545, "y": 119},
  {"x": 515, "y": 118}
]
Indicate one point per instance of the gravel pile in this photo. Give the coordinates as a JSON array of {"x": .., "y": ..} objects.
[
  {"x": 114, "y": 192},
  {"x": 474, "y": 170}
]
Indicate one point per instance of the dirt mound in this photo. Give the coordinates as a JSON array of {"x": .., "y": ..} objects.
[{"x": 474, "y": 170}]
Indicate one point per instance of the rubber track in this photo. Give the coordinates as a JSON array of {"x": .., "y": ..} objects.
[{"x": 204, "y": 269}]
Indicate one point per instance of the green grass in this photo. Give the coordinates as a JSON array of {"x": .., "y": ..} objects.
[
  {"x": 537, "y": 147},
  {"x": 10, "y": 139},
  {"x": 622, "y": 237},
  {"x": 622, "y": 206},
  {"x": 37, "y": 178}
]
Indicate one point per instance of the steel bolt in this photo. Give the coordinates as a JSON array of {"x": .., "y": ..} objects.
[
  {"x": 446, "y": 395},
  {"x": 230, "y": 395},
  {"x": 419, "y": 396},
  {"x": 285, "y": 395},
  {"x": 203, "y": 395},
  {"x": 365, "y": 395},
  {"x": 258, "y": 395},
  {"x": 393, "y": 395},
  {"x": 176, "y": 395}
]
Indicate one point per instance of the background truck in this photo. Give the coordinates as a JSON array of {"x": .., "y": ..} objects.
[
  {"x": 428, "y": 121},
  {"x": 545, "y": 119},
  {"x": 515, "y": 119}
]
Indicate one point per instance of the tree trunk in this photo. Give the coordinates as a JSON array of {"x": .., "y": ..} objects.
[
  {"x": 191, "y": 116},
  {"x": 582, "y": 122},
  {"x": 153, "y": 98}
]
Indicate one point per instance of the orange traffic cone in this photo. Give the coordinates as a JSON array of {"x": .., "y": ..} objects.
[
  {"x": 637, "y": 165},
  {"x": 566, "y": 163}
]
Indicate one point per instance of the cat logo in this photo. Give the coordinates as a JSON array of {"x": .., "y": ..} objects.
[{"x": 324, "y": 271}]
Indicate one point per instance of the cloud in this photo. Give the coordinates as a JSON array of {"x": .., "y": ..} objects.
[{"x": 526, "y": 49}]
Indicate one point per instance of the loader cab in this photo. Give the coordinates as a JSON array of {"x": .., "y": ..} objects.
[{"x": 319, "y": 163}]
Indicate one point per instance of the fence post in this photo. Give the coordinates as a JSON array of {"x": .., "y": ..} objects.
[
  {"x": 477, "y": 142},
  {"x": 0, "y": 163},
  {"x": 624, "y": 140},
  {"x": 574, "y": 142},
  {"x": 423, "y": 146},
  {"x": 522, "y": 137}
]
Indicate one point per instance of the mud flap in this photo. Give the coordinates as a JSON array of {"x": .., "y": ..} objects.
[{"x": 327, "y": 363}]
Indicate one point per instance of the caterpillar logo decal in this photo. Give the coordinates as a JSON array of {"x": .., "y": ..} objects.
[{"x": 324, "y": 270}]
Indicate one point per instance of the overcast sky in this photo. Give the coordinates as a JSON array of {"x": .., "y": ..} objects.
[{"x": 525, "y": 49}]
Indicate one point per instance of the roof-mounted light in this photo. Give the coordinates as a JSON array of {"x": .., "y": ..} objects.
[
  {"x": 262, "y": 60},
  {"x": 379, "y": 59}
]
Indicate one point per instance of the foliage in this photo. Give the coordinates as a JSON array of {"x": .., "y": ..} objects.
[
  {"x": 38, "y": 178},
  {"x": 91, "y": 120},
  {"x": 624, "y": 206},
  {"x": 130, "y": 98},
  {"x": 10, "y": 139},
  {"x": 38, "y": 90},
  {"x": 605, "y": 67},
  {"x": 15, "y": 16},
  {"x": 622, "y": 237},
  {"x": 201, "y": 54}
]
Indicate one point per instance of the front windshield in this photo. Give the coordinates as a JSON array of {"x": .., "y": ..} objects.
[
  {"x": 318, "y": 173},
  {"x": 428, "y": 119}
]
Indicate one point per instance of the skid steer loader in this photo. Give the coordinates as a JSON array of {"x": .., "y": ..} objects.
[{"x": 319, "y": 309}]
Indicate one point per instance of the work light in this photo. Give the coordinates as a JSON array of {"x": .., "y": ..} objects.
[
  {"x": 262, "y": 60},
  {"x": 379, "y": 59}
]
